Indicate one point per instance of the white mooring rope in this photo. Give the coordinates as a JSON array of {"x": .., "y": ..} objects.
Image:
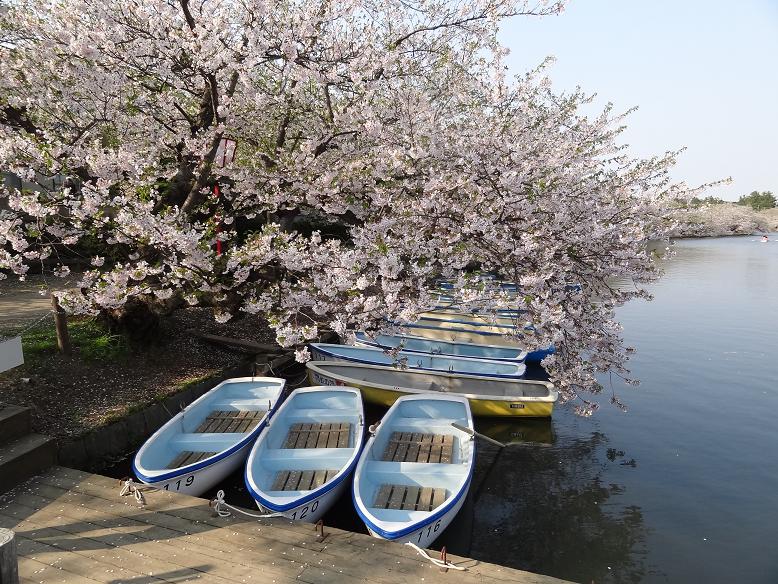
[
  {"x": 219, "y": 502},
  {"x": 438, "y": 563},
  {"x": 130, "y": 488}
]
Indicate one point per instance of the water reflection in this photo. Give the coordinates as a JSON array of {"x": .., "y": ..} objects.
[
  {"x": 549, "y": 510},
  {"x": 530, "y": 431}
]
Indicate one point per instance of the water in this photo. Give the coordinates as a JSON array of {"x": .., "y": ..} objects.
[{"x": 683, "y": 487}]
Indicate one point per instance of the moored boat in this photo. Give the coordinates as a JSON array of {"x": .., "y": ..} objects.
[
  {"x": 454, "y": 324},
  {"x": 415, "y": 344},
  {"x": 415, "y": 471},
  {"x": 210, "y": 438},
  {"x": 463, "y": 334},
  {"x": 488, "y": 396},
  {"x": 472, "y": 318},
  {"x": 417, "y": 361},
  {"x": 302, "y": 461}
]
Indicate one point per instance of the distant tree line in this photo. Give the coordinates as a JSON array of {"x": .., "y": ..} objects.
[
  {"x": 758, "y": 201},
  {"x": 698, "y": 202}
]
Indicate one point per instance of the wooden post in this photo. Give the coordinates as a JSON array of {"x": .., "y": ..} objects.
[
  {"x": 9, "y": 569},
  {"x": 61, "y": 322}
]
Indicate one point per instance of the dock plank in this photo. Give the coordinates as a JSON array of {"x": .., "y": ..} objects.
[
  {"x": 134, "y": 536},
  {"x": 129, "y": 563},
  {"x": 180, "y": 536}
]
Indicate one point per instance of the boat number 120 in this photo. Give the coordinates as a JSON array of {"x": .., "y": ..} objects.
[
  {"x": 304, "y": 510},
  {"x": 187, "y": 483},
  {"x": 430, "y": 530}
]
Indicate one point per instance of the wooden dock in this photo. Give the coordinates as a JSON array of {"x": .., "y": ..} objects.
[{"x": 72, "y": 527}]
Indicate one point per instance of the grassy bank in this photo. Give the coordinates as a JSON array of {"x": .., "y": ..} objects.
[
  {"x": 90, "y": 340},
  {"x": 107, "y": 377}
]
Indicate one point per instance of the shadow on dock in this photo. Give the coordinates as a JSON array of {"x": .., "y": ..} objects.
[{"x": 73, "y": 527}]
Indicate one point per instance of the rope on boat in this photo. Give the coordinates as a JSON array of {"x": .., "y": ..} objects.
[
  {"x": 219, "y": 503},
  {"x": 438, "y": 563},
  {"x": 129, "y": 488}
]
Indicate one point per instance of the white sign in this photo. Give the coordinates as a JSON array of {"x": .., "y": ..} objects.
[
  {"x": 225, "y": 153},
  {"x": 11, "y": 354}
]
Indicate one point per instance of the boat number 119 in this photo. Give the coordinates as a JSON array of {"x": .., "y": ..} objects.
[
  {"x": 430, "y": 530},
  {"x": 187, "y": 483}
]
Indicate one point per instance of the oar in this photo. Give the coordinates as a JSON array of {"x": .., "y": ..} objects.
[{"x": 474, "y": 433}]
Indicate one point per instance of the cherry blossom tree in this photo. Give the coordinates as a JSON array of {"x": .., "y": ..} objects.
[{"x": 392, "y": 126}]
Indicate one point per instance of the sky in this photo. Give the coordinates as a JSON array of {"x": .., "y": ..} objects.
[{"x": 703, "y": 73}]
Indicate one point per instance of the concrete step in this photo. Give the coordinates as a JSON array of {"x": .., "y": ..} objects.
[
  {"x": 25, "y": 457},
  {"x": 14, "y": 423}
]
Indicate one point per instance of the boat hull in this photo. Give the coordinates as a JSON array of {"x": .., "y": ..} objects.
[
  {"x": 311, "y": 511},
  {"x": 428, "y": 532},
  {"x": 385, "y": 478},
  {"x": 223, "y": 452},
  {"x": 273, "y": 453},
  {"x": 195, "y": 483},
  {"x": 470, "y": 318},
  {"x": 481, "y": 407}
]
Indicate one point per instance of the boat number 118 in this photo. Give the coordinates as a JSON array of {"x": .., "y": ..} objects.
[{"x": 430, "y": 530}]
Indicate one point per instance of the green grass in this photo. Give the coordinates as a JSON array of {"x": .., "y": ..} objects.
[{"x": 89, "y": 338}]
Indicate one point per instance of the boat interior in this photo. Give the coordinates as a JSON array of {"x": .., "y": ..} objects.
[
  {"x": 417, "y": 461},
  {"x": 310, "y": 440},
  {"x": 218, "y": 421}
]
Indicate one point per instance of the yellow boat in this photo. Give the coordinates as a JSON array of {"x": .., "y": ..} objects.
[
  {"x": 476, "y": 327},
  {"x": 481, "y": 319},
  {"x": 488, "y": 396},
  {"x": 457, "y": 333}
]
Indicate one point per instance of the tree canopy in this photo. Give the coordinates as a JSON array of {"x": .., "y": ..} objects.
[
  {"x": 395, "y": 122},
  {"x": 758, "y": 201}
]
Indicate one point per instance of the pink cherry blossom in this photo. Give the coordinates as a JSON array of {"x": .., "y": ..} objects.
[{"x": 380, "y": 147}]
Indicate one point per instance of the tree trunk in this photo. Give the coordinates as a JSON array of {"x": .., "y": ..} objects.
[{"x": 137, "y": 320}]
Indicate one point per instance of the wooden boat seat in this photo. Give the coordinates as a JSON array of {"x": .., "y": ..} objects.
[
  {"x": 231, "y": 421},
  {"x": 334, "y": 435},
  {"x": 417, "y": 447},
  {"x": 188, "y": 457},
  {"x": 409, "y": 497},
  {"x": 301, "y": 480}
]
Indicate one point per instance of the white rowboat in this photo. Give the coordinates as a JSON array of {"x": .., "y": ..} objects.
[
  {"x": 414, "y": 473},
  {"x": 302, "y": 461},
  {"x": 414, "y": 344},
  {"x": 417, "y": 361},
  {"x": 210, "y": 438}
]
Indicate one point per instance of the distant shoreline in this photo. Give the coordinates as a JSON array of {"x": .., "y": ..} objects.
[{"x": 723, "y": 220}]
